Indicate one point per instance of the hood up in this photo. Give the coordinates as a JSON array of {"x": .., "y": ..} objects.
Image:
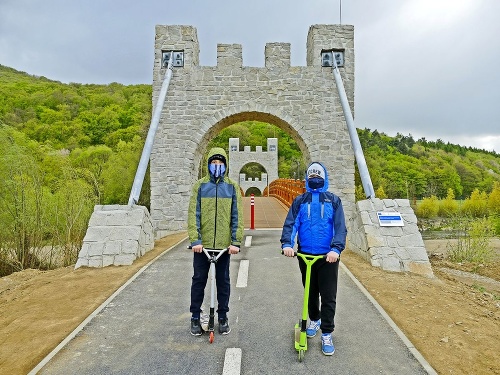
[{"x": 316, "y": 169}]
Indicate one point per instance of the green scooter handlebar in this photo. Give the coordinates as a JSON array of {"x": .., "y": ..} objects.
[{"x": 307, "y": 256}]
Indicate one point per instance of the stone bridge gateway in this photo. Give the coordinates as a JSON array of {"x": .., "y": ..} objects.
[
  {"x": 303, "y": 101},
  {"x": 203, "y": 100},
  {"x": 267, "y": 159}
]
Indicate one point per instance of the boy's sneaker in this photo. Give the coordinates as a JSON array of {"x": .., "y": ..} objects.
[
  {"x": 204, "y": 318},
  {"x": 327, "y": 344},
  {"x": 224, "y": 327},
  {"x": 196, "y": 329},
  {"x": 313, "y": 327}
]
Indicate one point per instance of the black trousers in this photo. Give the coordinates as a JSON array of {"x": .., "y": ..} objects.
[
  {"x": 324, "y": 278},
  {"x": 201, "y": 268}
]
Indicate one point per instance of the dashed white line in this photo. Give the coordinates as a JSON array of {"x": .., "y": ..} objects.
[
  {"x": 232, "y": 359},
  {"x": 241, "y": 282},
  {"x": 232, "y": 362}
]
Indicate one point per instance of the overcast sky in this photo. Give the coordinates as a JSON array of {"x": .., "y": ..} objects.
[{"x": 429, "y": 68}]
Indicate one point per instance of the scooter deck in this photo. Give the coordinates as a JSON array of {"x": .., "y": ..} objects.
[{"x": 298, "y": 334}]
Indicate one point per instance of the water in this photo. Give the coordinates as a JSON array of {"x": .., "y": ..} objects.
[{"x": 439, "y": 234}]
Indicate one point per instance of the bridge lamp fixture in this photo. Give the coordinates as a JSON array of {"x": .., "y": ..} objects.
[
  {"x": 178, "y": 58},
  {"x": 327, "y": 58}
]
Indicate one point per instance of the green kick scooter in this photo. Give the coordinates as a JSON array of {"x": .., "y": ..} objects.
[{"x": 300, "y": 327}]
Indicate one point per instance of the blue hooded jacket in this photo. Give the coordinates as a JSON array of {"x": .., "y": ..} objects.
[{"x": 316, "y": 218}]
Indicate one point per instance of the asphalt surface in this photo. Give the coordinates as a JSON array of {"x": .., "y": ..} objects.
[
  {"x": 268, "y": 213},
  {"x": 145, "y": 327}
]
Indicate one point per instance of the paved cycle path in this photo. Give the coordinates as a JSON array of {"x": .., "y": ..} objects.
[{"x": 145, "y": 328}]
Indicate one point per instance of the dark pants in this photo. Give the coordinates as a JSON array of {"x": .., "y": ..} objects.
[
  {"x": 324, "y": 277},
  {"x": 201, "y": 266}
]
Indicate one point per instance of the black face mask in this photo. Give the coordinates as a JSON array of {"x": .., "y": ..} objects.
[{"x": 316, "y": 183}]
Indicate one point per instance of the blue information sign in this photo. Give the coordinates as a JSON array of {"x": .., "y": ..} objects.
[{"x": 390, "y": 219}]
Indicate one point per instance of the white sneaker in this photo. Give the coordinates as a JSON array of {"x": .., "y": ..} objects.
[
  {"x": 313, "y": 327},
  {"x": 204, "y": 321}
]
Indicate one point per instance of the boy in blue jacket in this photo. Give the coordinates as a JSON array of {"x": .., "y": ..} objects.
[{"x": 316, "y": 218}]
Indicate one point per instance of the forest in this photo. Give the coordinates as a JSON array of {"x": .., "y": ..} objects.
[{"x": 67, "y": 147}]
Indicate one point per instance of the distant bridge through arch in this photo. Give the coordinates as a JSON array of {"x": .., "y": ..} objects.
[{"x": 267, "y": 159}]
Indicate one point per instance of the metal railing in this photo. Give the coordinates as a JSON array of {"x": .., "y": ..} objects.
[{"x": 285, "y": 190}]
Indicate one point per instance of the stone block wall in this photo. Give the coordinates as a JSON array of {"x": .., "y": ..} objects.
[
  {"x": 116, "y": 235},
  {"x": 398, "y": 249}
]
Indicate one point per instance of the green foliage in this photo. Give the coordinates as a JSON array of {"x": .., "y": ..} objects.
[
  {"x": 494, "y": 199},
  {"x": 416, "y": 169},
  {"x": 72, "y": 207},
  {"x": 476, "y": 205},
  {"x": 449, "y": 206},
  {"x": 256, "y": 192},
  {"x": 495, "y": 223},
  {"x": 359, "y": 193},
  {"x": 119, "y": 172},
  {"x": 42, "y": 218},
  {"x": 253, "y": 170},
  {"x": 380, "y": 193},
  {"x": 428, "y": 208},
  {"x": 22, "y": 201},
  {"x": 473, "y": 240},
  {"x": 73, "y": 115}
]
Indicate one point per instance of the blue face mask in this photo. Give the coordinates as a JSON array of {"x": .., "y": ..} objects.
[
  {"x": 217, "y": 170},
  {"x": 316, "y": 183}
]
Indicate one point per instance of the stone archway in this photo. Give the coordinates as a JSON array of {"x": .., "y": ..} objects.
[{"x": 203, "y": 100}]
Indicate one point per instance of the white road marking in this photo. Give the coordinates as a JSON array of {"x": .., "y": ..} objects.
[
  {"x": 232, "y": 362},
  {"x": 241, "y": 282},
  {"x": 232, "y": 359},
  {"x": 248, "y": 241}
]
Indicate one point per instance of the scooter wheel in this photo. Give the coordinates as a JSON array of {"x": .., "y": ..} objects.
[
  {"x": 211, "y": 337},
  {"x": 301, "y": 355}
]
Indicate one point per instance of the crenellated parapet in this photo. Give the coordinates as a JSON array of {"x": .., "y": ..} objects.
[
  {"x": 277, "y": 55},
  {"x": 229, "y": 55},
  {"x": 259, "y": 183}
]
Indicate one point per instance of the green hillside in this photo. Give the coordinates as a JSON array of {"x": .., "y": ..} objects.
[
  {"x": 89, "y": 124},
  {"x": 411, "y": 169}
]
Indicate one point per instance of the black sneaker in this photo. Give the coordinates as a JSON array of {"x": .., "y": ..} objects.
[
  {"x": 224, "y": 327},
  {"x": 196, "y": 329}
]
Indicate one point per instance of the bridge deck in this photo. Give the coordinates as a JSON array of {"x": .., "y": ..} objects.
[
  {"x": 268, "y": 212},
  {"x": 144, "y": 329}
]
